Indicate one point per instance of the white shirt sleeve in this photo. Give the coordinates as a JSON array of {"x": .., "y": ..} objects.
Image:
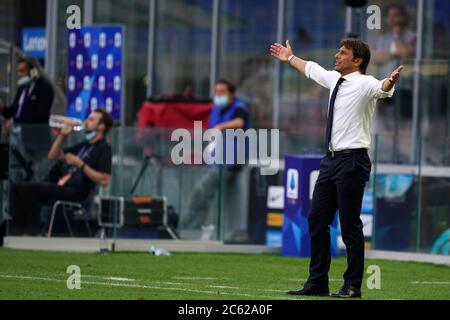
[
  {"x": 321, "y": 76},
  {"x": 375, "y": 91}
]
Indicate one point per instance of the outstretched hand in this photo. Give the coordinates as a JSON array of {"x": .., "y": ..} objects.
[
  {"x": 395, "y": 75},
  {"x": 281, "y": 52},
  {"x": 389, "y": 82}
]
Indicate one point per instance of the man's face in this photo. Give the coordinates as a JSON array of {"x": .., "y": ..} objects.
[
  {"x": 22, "y": 70},
  {"x": 394, "y": 18},
  {"x": 344, "y": 61},
  {"x": 92, "y": 123},
  {"x": 221, "y": 89}
]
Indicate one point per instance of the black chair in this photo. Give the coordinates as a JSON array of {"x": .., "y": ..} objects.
[{"x": 77, "y": 209}]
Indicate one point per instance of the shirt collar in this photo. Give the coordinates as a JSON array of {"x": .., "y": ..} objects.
[
  {"x": 97, "y": 143},
  {"x": 351, "y": 75}
]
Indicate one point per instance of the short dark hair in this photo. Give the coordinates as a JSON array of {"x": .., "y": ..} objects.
[
  {"x": 360, "y": 49},
  {"x": 231, "y": 87},
  {"x": 403, "y": 12},
  {"x": 30, "y": 64},
  {"x": 106, "y": 119}
]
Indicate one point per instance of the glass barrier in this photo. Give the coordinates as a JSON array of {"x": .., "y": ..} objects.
[
  {"x": 412, "y": 156},
  {"x": 153, "y": 195},
  {"x": 395, "y": 199},
  {"x": 189, "y": 191},
  {"x": 184, "y": 199},
  {"x": 412, "y": 204}
]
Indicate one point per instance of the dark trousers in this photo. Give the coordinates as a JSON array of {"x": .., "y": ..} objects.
[
  {"x": 340, "y": 185},
  {"x": 28, "y": 198}
]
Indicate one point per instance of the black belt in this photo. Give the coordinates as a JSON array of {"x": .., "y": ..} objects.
[{"x": 332, "y": 154}]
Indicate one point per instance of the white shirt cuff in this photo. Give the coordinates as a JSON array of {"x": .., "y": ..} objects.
[
  {"x": 308, "y": 67},
  {"x": 385, "y": 94}
]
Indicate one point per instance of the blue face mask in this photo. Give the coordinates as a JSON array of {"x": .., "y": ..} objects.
[
  {"x": 90, "y": 135},
  {"x": 24, "y": 80},
  {"x": 221, "y": 101}
]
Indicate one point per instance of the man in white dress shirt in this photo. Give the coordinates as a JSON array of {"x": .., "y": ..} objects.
[{"x": 346, "y": 167}]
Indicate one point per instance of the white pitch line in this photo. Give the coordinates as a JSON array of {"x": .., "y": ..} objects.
[
  {"x": 429, "y": 282},
  {"x": 128, "y": 285},
  {"x": 331, "y": 280},
  {"x": 129, "y": 279},
  {"x": 29, "y": 278},
  {"x": 171, "y": 283},
  {"x": 272, "y": 290},
  {"x": 108, "y": 278},
  {"x": 240, "y": 288},
  {"x": 224, "y": 287},
  {"x": 119, "y": 279},
  {"x": 196, "y": 278}
]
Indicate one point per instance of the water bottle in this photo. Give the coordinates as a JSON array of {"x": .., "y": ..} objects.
[
  {"x": 159, "y": 251},
  {"x": 207, "y": 232},
  {"x": 58, "y": 121},
  {"x": 104, "y": 248}
]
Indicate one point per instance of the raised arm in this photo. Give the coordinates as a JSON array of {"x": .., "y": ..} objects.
[
  {"x": 389, "y": 82},
  {"x": 56, "y": 151},
  {"x": 285, "y": 54}
]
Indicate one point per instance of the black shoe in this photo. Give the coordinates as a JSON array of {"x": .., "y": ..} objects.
[
  {"x": 348, "y": 292},
  {"x": 310, "y": 290}
]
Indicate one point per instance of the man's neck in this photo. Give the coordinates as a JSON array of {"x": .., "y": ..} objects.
[
  {"x": 347, "y": 72},
  {"x": 97, "y": 138},
  {"x": 397, "y": 30}
]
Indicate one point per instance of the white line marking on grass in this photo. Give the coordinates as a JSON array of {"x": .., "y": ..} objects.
[
  {"x": 186, "y": 290},
  {"x": 119, "y": 279},
  {"x": 272, "y": 290},
  {"x": 224, "y": 287},
  {"x": 239, "y": 288},
  {"x": 172, "y": 283},
  {"x": 29, "y": 278},
  {"x": 108, "y": 278},
  {"x": 331, "y": 280},
  {"x": 429, "y": 282},
  {"x": 196, "y": 278},
  {"x": 129, "y": 285}
]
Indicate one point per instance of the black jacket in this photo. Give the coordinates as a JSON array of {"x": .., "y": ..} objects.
[{"x": 37, "y": 104}]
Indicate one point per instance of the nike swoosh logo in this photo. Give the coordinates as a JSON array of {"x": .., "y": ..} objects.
[{"x": 272, "y": 199}]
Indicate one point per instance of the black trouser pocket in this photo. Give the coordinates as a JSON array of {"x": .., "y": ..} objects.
[{"x": 363, "y": 166}]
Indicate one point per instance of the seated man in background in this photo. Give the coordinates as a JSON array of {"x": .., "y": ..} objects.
[{"x": 88, "y": 165}]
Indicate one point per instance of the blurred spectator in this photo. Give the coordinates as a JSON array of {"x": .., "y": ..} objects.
[
  {"x": 31, "y": 106},
  {"x": 391, "y": 49},
  {"x": 398, "y": 43},
  {"x": 229, "y": 112}
]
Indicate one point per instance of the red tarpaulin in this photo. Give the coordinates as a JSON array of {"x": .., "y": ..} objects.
[{"x": 173, "y": 114}]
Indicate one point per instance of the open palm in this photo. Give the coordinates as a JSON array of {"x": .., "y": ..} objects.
[
  {"x": 281, "y": 52},
  {"x": 395, "y": 75}
]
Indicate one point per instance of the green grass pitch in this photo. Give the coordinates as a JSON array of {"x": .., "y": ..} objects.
[{"x": 191, "y": 276}]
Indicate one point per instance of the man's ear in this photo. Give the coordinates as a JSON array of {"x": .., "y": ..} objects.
[
  {"x": 102, "y": 127},
  {"x": 358, "y": 61}
]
